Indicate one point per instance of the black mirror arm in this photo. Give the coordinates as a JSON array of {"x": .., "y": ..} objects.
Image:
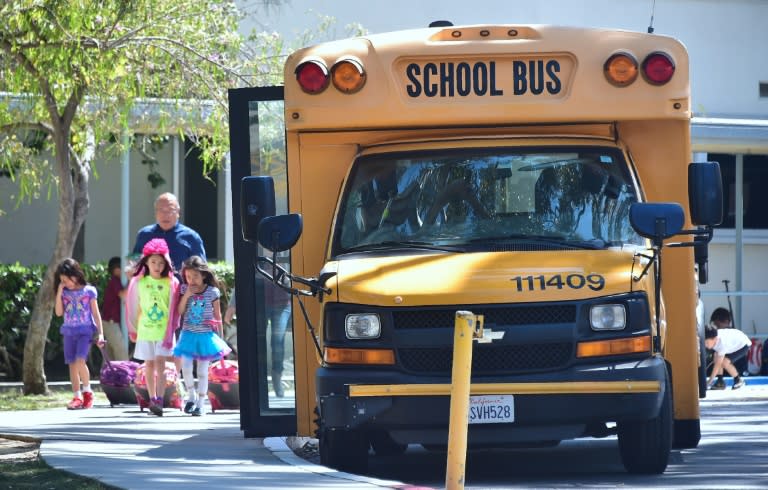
[
  {"x": 651, "y": 261},
  {"x": 282, "y": 278},
  {"x": 658, "y": 244},
  {"x": 706, "y": 231},
  {"x": 279, "y": 276}
]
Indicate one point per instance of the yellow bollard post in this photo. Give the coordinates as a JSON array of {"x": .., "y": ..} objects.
[{"x": 464, "y": 331}]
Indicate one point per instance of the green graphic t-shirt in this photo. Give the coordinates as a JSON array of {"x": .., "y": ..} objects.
[{"x": 154, "y": 299}]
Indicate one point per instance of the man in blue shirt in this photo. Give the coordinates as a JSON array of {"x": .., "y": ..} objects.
[{"x": 183, "y": 241}]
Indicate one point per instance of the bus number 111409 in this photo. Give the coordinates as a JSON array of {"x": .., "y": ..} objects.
[{"x": 595, "y": 282}]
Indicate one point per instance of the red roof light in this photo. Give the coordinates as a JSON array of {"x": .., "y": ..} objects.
[
  {"x": 312, "y": 76},
  {"x": 658, "y": 68}
]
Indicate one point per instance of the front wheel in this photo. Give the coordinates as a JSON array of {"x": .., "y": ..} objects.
[
  {"x": 645, "y": 444},
  {"x": 383, "y": 444},
  {"x": 344, "y": 450}
]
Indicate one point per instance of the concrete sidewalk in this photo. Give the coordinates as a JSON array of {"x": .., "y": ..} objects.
[{"x": 129, "y": 449}]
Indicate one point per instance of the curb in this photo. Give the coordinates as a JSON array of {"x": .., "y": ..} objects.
[{"x": 281, "y": 448}]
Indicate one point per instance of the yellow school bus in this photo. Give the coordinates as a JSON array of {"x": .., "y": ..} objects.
[{"x": 531, "y": 174}]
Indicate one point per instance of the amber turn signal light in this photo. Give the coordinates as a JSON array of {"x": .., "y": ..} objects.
[
  {"x": 334, "y": 355},
  {"x": 614, "y": 346}
]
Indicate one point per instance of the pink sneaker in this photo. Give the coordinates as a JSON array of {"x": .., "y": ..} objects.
[
  {"x": 87, "y": 399},
  {"x": 75, "y": 404},
  {"x": 156, "y": 406}
]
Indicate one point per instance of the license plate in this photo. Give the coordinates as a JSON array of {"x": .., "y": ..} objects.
[{"x": 491, "y": 409}]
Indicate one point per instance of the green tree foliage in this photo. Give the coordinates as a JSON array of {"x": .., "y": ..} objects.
[
  {"x": 74, "y": 74},
  {"x": 80, "y": 77}
]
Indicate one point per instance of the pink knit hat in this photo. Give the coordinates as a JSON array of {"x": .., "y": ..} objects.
[{"x": 156, "y": 246}]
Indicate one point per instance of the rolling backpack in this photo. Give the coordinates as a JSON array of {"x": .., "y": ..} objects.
[
  {"x": 116, "y": 380},
  {"x": 224, "y": 385},
  {"x": 171, "y": 396}
]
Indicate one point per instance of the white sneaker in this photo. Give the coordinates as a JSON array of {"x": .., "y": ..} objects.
[{"x": 200, "y": 408}]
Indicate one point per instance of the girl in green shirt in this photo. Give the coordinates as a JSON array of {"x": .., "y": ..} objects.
[{"x": 152, "y": 316}]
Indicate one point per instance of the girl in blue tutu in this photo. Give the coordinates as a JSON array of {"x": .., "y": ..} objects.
[{"x": 200, "y": 329}]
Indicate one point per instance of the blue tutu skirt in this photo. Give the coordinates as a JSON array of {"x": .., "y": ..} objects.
[{"x": 203, "y": 346}]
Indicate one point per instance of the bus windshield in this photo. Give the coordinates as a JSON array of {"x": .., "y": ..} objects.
[{"x": 562, "y": 197}]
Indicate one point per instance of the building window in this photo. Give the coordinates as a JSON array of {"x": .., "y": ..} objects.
[
  {"x": 755, "y": 184},
  {"x": 763, "y": 89}
]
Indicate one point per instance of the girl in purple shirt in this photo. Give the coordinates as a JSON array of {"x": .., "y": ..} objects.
[{"x": 76, "y": 302}]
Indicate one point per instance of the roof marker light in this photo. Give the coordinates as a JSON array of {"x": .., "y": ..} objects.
[
  {"x": 312, "y": 76},
  {"x": 348, "y": 75},
  {"x": 621, "y": 69},
  {"x": 658, "y": 68}
]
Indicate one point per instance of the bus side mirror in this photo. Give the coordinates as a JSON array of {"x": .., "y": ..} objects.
[
  {"x": 257, "y": 201},
  {"x": 657, "y": 220},
  {"x": 705, "y": 193},
  {"x": 280, "y": 233}
]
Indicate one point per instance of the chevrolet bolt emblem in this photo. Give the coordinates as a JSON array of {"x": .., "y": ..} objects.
[{"x": 489, "y": 336}]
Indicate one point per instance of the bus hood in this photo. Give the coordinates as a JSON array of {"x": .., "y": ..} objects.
[{"x": 484, "y": 278}]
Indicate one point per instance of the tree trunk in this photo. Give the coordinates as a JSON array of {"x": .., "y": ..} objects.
[{"x": 73, "y": 208}]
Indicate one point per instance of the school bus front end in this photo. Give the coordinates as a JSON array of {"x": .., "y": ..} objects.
[{"x": 492, "y": 169}]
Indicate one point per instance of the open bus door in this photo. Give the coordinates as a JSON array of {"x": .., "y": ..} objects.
[{"x": 257, "y": 147}]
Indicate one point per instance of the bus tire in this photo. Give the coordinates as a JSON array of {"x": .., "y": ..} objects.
[
  {"x": 383, "y": 444},
  {"x": 344, "y": 450},
  {"x": 645, "y": 445}
]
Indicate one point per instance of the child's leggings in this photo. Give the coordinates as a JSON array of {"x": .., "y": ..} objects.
[{"x": 189, "y": 379}]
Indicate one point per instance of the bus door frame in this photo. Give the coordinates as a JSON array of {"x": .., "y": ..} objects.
[{"x": 257, "y": 419}]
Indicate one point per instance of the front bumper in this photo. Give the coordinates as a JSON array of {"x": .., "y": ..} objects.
[{"x": 548, "y": 406}]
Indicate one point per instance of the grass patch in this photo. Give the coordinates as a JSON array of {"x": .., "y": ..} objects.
[
  {"x": 15, "y": 400},
  {"x": 37, "y": 474},
  {"x": 33, "y": 472}
]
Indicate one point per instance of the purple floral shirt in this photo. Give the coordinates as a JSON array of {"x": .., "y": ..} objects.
[{"x": 77, "y": 306}]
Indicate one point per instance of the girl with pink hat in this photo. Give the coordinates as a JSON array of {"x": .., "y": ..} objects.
[{"x": 152, "y": 315}]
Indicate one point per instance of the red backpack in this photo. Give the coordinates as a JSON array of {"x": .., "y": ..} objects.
[
  {"x": 755, "y": 357},
  {"x": 224, "y": 371},
  {"x": 224, "y": 385}
]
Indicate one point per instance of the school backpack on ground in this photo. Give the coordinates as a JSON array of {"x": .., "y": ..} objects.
[
  {"x": 116, "y": 380},
  {"x": 764, "y": 367},
  {"x": 172, "y": 395},
  {"x": 224, "y": 385},
  {"x": 755, "y": 357}
]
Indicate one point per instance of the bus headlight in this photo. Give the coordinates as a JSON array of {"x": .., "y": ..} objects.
[
  {"x": 362, "y": 326},
  {"x": 608, "y": 317}
]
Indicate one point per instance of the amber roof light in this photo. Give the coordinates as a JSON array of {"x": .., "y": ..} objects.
[
  {"x": 621, "y": 69},
  {"x": 348, "y": 75}
]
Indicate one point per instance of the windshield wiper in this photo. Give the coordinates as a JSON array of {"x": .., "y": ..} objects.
[
  {"x": 390, "y": 244},
  {"x": 562, "y": 241}
]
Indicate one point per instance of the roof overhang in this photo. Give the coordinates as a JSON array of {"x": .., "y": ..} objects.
[{"x": 726, "y": 135}]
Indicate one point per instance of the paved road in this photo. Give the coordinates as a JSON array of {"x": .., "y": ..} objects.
[{"x": 733, "y": 453}]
